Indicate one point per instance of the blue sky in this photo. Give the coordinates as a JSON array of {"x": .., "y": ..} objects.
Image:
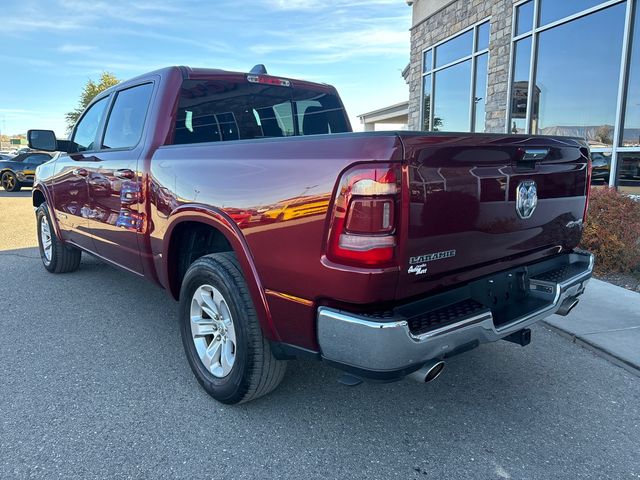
[{"x": 49, "y": 48}]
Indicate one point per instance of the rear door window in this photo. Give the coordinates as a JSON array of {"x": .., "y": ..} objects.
[
  {"x": 319, "y": 113},
  {"x": 127, "y": 116}
]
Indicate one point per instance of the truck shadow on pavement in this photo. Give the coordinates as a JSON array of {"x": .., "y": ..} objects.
[{"x": 94, "y": 360}]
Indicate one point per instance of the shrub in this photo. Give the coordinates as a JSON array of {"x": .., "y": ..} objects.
[{"x": 612, "y": 232}]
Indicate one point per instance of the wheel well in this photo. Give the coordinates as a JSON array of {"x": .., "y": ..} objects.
[
  {"x": 38, "y": 198},
  {"x": 190, "y": 241}
]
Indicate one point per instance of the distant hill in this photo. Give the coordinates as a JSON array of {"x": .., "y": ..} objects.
[{"x": 632, "y": 135}]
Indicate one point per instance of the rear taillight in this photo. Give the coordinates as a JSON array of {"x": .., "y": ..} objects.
[
  {"x": 364, "y": 218},
  {"x": 587, "y": 189}
]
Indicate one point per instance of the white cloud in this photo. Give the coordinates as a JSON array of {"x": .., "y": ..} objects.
[
  {"x": 294, "y": 38},
  {"x": 71, "y": 15},
  {"x": 323, "y": 4},
  {"x": 31, "y": 62},
  {"x": 22, "y": 24},
  {"x": 334, "y": 46},
  {"x": 133, "y": 65},
  {"x": 364, "y": 41},
  {"x": 13, "y": 111},
  {"x": 73, "y": 48},
  {"x": 17, "y": 120},
  {"x": 295, "y": 4},
  {"x": 341, "y": 30},
  {"x": 209, "y": 44}
]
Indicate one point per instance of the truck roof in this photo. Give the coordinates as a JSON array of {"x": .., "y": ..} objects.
[{"x": 203, "y": 73}]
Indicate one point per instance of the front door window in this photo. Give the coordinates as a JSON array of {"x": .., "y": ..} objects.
[{"x": 86, "y": 130}]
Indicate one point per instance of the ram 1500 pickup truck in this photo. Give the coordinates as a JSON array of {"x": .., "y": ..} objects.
[{"x": 283, "y": 234}]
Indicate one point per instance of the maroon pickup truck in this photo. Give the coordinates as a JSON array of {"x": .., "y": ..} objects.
[{"x": 282, "y": 234}]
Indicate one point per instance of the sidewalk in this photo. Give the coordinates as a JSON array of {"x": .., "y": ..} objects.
[{"x": 607, "y": 320}]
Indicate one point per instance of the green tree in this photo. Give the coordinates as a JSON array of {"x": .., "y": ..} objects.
[
  {"x": 604, "y": 134},
  {"x": 90, "y": 90},
  {"x": 426, "y": 111}
]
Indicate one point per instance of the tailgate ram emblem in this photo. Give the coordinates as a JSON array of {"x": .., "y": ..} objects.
[{"x": 526, "y": 198}]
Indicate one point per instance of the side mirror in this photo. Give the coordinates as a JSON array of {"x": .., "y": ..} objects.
[{"x": 44, "y": 140}]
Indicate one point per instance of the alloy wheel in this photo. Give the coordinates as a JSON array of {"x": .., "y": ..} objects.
[
  {"x": 213, "y": 331},
  {"x": 45, "y": 238},
  {"x": 8, "y": 181}
]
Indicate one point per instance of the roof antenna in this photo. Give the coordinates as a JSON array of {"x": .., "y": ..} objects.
[{"x": 259, "y": 69}]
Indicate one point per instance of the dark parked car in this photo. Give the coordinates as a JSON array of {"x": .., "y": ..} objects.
[
  {"x": 18, "y": 172},
  {"x": 601, "y": 164},
  {"x": 284, "y": 235}
]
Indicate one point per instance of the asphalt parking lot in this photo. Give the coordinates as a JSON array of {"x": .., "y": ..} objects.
[{"x": 94, "y": 384}]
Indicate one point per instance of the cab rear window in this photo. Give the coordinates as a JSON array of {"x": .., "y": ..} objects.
[{"x": 220, "y": 110}]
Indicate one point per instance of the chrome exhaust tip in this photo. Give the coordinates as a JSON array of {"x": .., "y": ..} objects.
[
  {"x": 428, "y": 372},
  {"x": 568, "y": 305}
]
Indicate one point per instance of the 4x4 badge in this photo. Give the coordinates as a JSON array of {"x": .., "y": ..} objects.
[{"x": 526, "y": 199}]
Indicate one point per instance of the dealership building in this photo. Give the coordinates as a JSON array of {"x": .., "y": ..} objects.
[{"x": 555, "y": 67}]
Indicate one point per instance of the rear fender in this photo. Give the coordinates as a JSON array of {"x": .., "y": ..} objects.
[{"x": 225, "y": 225}]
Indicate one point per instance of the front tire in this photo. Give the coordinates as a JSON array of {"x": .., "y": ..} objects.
[
  {"x": 56, "y": 257},
  {"x": 221, "y": 334},
  {"x": 10, "y": 182}
]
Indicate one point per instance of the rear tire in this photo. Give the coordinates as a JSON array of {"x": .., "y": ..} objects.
[
  {"x": 56, "y": 257},
  {"x": 221, "y": 333},
  {"x": 10, "y": 182}
]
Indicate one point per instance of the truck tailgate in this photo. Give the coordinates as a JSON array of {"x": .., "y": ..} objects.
[{"x": 463, "y": 217}]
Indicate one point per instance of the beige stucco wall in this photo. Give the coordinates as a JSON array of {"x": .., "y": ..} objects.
[{"x": 425, "y": 8}]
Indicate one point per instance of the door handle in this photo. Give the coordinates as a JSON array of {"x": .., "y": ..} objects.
[
  {"x": 124, "y": 173},
  {"x": 81, "y": 172}
]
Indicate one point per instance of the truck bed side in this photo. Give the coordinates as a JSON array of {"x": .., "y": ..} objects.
[{"x": 277, "y": 193}]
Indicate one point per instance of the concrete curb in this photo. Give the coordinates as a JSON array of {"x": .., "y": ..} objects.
[{"x": 599, "y": 351}]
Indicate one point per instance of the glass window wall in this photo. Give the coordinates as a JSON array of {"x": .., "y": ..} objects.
[
  {"x": 520, "y": 85},
  {"x": 581, "y": 104},
  {"x": 524, "y": 18},
  {"x": 426, "y": 103},
  {"x": 454, "y": 49},
  {"x": 585, "y": 56},
  {"x": 629, "y": 172},
  {"x": 451, "y": 109},
  {"x": 454, "y": 82},
  {"x": 631, "y": 131},
  {"x": 552, "y": 10},
  {"x": 480, "y": 97}
]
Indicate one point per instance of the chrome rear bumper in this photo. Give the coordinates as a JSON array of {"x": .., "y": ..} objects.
[{"x": 388, "y": 344}]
